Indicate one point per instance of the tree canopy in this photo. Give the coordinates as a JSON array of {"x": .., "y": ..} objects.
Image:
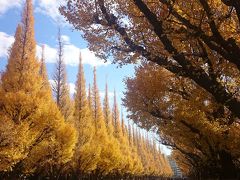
[
  {"x": 47, "y": 134},
  {"x": 194, "y": 39},
  {"x": 186, "y": 85}
]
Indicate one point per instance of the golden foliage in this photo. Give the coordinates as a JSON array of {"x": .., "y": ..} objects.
[
  {"x": 46, "y": 139},
  {"x": 33, "y": 137},
  {"x": 186, "y": 118}
]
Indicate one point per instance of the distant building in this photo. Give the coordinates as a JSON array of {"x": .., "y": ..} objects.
[{"x": 176, "y": 170}]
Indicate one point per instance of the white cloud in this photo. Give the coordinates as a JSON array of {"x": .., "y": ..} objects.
[
  {"x": 5, "y": 5},
  {"x": 45, "y": 7},
  {"x": 65, "y": 39},
  {"x": 50, "y": 8},
  {"x": 51, "y": 82},
  {"x": 72, "y": 88},
  {"x": 71, "y": 56},
  {"x": 5, "y": 43},
  {"x": 71, "y": 52},
  {"x": 50, "y": 53}
]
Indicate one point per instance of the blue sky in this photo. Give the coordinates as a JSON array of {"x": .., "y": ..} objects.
[{"x": 47, "y": 21}]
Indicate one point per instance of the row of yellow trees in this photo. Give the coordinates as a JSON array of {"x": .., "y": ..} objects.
[
  {"x": 187, "y": 83},
  {"x": 43, "y": 137}
]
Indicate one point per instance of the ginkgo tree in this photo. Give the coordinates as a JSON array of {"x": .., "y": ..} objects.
[
  {"x": 60, "y": 85},
  {"x": 109, "y": 153},
  {"x": 195, "y": 43},
  {"x": 110, "y": 128},
  {"x": 193, "y": 39},
  {"x": 86, "y": 155},
  {"x": 40, "y": 140},
  {"x": 186, "y": 119},
  {"x": 35, "y": 136},
  {"x": 126, "y": 165}
]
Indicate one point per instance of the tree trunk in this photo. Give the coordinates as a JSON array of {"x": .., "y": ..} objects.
[{"x": 228, "y": 169}]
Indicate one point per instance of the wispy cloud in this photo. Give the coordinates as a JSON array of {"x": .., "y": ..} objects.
[
  {"x": 45, "y": 7},
  {"x": 50, "y": 8},
  {"x": 5, "y": 43},
  {"x": 50, "y": 53},
  {"x": 5, "y": 5},
  {"x": 71, "y": 52},
  {"x": 72, "y": 88}
]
